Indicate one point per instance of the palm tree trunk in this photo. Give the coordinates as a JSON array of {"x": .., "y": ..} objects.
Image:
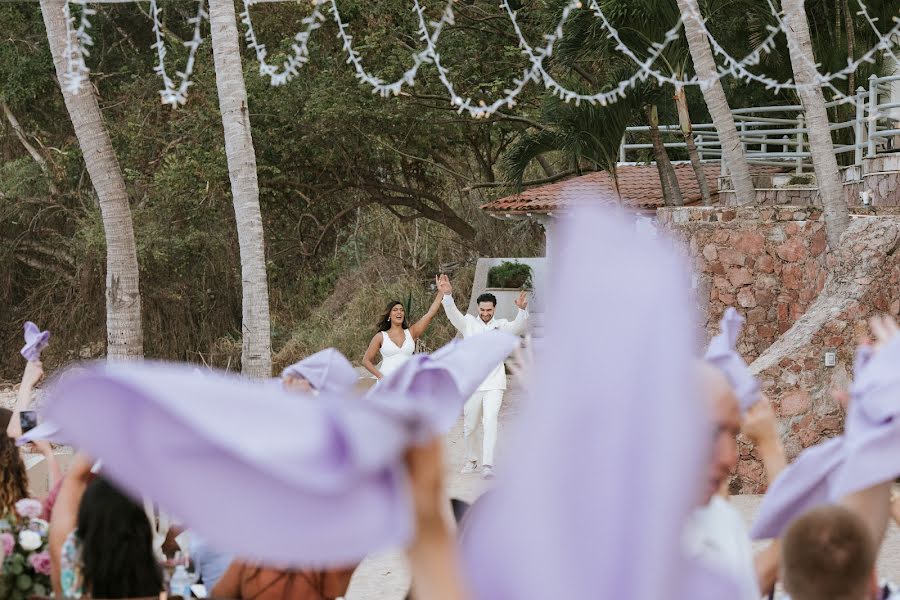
[
  {"x": 256, "y": 357},
  {"x": 714, "y": 95},
  {"x": 123, "y": 299},
  {"x": 667, "y": 179},
  {"x": 851, "y": 44},
  {"x": 831, "y": 191},
  {"x": 687, "y": 131}
]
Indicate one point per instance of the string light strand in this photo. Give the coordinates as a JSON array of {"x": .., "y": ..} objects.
[
  {"x": 299, "y": 55},
  {"x": 171, "y": 95},
  {"x": 378, "y": 85},
  {"x": 77, "y": 41}
]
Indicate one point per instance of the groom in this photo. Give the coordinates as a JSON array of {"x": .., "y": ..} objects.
[{"x": 485, "y": 403}]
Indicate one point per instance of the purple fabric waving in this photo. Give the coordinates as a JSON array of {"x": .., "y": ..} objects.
[
  {"x": 586, "y": 506},
  {"x": 867, "y": 453},
  {"x": 35, "y": 341},
  {"x": 431, "y": 383},
  {"x": 722, "y": 354},
  {"x": 252, "y": 470},
  {"x": 327, "y": 371},
  {"x": 805, "y": 484}
]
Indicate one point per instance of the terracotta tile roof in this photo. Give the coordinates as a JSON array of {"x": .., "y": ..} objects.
[{"x": 639, "y": 185}]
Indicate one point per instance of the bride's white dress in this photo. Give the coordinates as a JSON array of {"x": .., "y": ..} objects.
[{"x": 392, "y": 355}]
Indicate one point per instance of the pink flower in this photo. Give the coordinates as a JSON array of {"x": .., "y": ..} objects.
[
  {"x": 29, "y": 507},
  {"x": 40, "y": 562},
  {"x": 8, "y": 542}
]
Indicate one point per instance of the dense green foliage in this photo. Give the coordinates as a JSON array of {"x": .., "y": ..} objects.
[
  {"x": 509, "y": 275},
  {"x": 348, "y": 180}
]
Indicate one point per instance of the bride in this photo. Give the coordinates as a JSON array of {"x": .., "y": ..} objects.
[{"x": 396, "y": 339}]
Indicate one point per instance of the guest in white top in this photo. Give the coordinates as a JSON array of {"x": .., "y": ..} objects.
[
  {"x": 715, "y": 533},
  {"x": 484, "y": 405},
  {"x": 396, "y": 339}
]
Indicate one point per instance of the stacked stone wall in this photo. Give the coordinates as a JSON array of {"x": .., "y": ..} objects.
[
  {"x": 800, "y": 304},
  {"x": 768, "y": 263}
]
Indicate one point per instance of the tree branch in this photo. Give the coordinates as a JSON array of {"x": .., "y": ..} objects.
[{"x": 32, "y": 151}]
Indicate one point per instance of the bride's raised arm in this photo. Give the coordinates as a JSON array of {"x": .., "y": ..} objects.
[{"x": 418, "y": 328}]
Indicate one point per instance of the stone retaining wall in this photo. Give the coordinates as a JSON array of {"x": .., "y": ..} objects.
[{"x": 770, "y": 263}]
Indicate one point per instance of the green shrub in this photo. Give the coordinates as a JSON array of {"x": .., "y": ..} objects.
[
  {"x": 511, "y": 275},
  {"x": 800, "y": 180}
]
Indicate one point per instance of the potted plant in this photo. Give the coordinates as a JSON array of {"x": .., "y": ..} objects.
[{"x": 509, "y": 275}]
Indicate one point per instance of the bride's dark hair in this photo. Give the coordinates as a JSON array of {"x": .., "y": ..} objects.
[{"x": 385, "y": 323}]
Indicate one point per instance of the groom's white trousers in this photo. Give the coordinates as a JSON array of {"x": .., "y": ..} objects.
[{"x": 483, "y": 406}]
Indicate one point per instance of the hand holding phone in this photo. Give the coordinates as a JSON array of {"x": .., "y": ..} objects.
[{"x": 28, "y": 420}]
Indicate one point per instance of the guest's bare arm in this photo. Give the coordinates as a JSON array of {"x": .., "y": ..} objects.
[
  {"x": 34, "y": 370},
  {"x": 371, "y": 353},
  {"x": 895, "y": 508},
  {"x": 761, "y": 428},
  {"x": 873, "y": 504},
  {"x": 767, "y": 564},
  {"x": 432, "y": 555},
  {"x": 54, "y": 473},
  {"x": 65, "y": 513}
]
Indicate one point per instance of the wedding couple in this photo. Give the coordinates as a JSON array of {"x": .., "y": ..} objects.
[{"x": 396, "y": 340}]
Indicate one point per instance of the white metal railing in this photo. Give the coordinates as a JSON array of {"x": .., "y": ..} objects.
[{"x": 781, "y": 140}]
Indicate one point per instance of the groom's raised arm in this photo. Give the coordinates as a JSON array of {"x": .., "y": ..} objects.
[
  {"x": 517, "y": 325},
  {"x": 456, "y": 318}
]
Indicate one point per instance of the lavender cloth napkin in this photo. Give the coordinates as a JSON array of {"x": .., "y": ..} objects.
[
  {"x": 866, "y": 454},
  {"x": 608, "y": 457},
  {"x": 722, "y": 354},
  {"x": 44, "y": 431},
  {"x": 327, "y": 371},
  {"x": 35, "y": 341},
  {"x": 252, "y": 470}
]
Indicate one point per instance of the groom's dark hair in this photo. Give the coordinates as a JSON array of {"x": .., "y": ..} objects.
[{"x": 487, "y": 298}]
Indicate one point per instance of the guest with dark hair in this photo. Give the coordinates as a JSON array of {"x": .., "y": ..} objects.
[
  {"x": 101, "y": 543},
  {"x": 13, "y": 477}
]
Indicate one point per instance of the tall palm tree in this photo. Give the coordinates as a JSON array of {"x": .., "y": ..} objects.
[
  {"x": 687, "y": 133},
  {"x": 256, "y": 356},
  {"x": 587, "y": 137},
  {"x": 123, "y": 298},
  {"x": 667, "y": 178},
  {"x": 821, "y": 147},
  {"x": 717, "y": 103},
  {"x": 639, "y": 32}
]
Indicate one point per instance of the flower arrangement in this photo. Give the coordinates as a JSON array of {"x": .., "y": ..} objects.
[{"x": 24, "y": 552}]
